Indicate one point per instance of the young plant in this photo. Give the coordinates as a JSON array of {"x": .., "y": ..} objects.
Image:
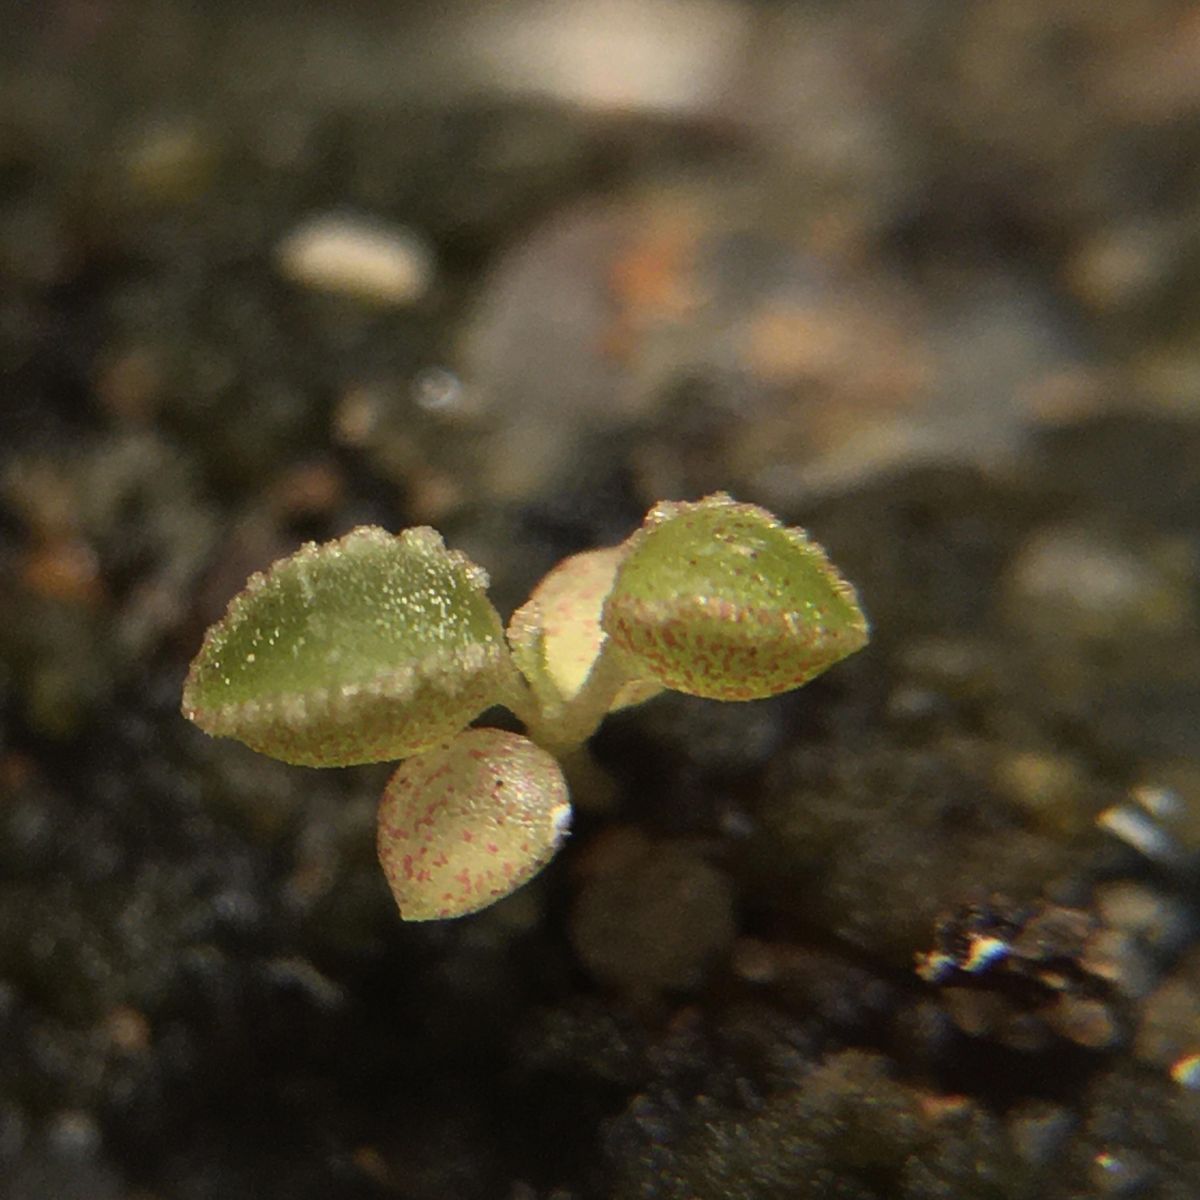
[{"x": 380, "y": 646}]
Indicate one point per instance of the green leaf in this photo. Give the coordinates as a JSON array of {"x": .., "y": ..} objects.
[
  {"x": 718, "y": 599},
  {"x": 368, "y": 648},
  {"x": 556, "y": 636},
  {"x": 469, "y": 822}
]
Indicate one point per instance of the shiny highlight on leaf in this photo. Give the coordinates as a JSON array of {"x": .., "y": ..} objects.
[{"x": 365, "y": 649}]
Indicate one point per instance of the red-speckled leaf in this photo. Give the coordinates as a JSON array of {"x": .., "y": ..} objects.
[
  {"x": 719, "y": 599},
  {"x": 469, "y": 822},
  {"x": 368, "y": 648},
  {"x": 556, "y": 635}
]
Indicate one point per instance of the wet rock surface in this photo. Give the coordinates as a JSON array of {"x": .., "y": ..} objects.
[{"x": 921, "y": 278}]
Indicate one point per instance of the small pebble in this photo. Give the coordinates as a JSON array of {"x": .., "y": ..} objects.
[
  {"x": 354, "y": 256},
  {"x": 633, "y": 55},
  {"x": 653, "y": 918}
]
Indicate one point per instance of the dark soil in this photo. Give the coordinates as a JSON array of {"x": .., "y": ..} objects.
[{"x": 921, "y": 278}]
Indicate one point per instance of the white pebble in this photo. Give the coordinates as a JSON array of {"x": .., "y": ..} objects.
[
  {"x": 636, "y": 55},
  {"x": 1139, "y": 831},
  {"x": 355, "y": 256}
]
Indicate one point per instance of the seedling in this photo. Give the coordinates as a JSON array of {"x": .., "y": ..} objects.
[{"x": 380, "y": 646}]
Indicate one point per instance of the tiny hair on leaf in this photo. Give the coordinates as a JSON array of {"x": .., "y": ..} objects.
[
  {"x": 369, "y": 648},
  {"x": 381, "y": 646},
  {"x": 719, "y": 599}
]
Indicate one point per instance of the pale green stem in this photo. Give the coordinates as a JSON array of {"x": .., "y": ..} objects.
[
  {"x": 565, "y": 726},
  {"x": 519, "y": 697}
]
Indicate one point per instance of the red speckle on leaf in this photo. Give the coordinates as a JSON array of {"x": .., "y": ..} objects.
[{"x": 467, "y": 852}]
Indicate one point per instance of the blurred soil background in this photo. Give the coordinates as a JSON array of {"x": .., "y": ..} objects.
[{"x": 923, "y": 277}]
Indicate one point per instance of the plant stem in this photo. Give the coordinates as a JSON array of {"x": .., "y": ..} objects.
[{"x": 565, "y": 726}]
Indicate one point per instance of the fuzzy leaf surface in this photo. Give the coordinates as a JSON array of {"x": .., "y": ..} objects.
[
  {"x": 368, "y": 648},
  {"x": 719, "y": 599},
  {"x": 470, "y": 821}
]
